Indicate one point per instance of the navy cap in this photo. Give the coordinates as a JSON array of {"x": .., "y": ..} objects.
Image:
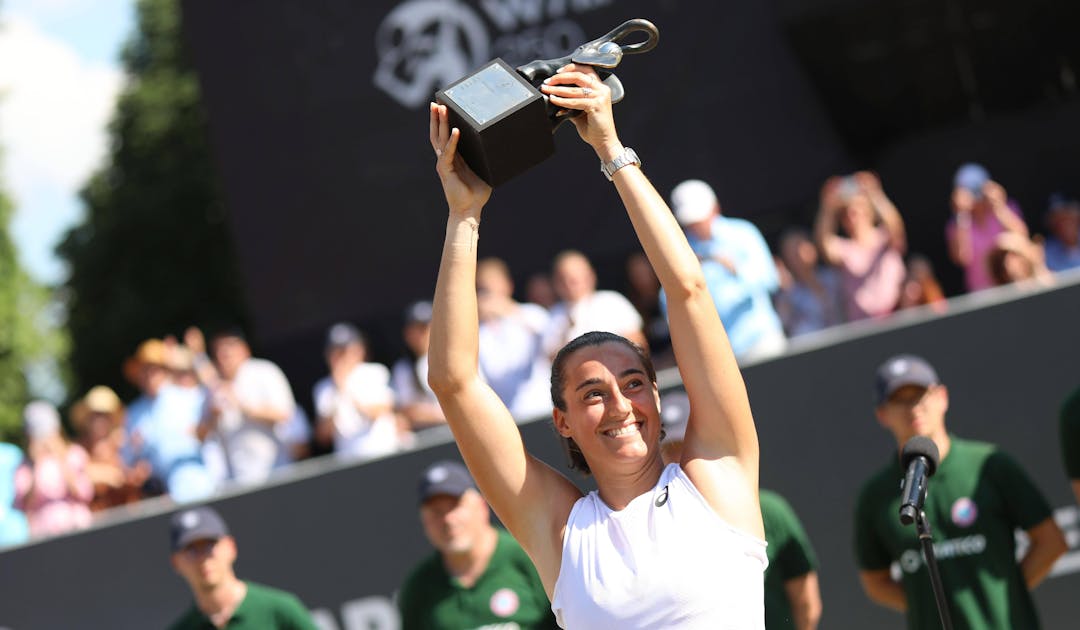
[
  {"x": 341, "y": 335},
  {"x": 196, "y": 524},
  {"x": 445, "y": 477},
  {"x": 418, "y": 313},
  {"x": 674, "y": 414},
  {"x": 901, "y": 370}
]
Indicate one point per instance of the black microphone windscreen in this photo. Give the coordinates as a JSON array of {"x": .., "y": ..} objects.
[{"x": 921, "y": 446}]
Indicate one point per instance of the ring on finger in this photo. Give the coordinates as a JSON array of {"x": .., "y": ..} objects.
[{"x": 586, "y": 92}]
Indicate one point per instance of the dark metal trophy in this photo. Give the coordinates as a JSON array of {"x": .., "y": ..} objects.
[{"x": 507, "y": 124}]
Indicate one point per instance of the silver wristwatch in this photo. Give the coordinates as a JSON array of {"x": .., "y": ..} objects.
[{"x": 627, "y": 157}]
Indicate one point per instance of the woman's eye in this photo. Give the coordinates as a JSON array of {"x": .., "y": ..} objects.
[{"x": 633, "y": 384}]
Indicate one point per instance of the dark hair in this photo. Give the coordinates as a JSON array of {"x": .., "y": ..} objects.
[{"x": 558, "y": 382}]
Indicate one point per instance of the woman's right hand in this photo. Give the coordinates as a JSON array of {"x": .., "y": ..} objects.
[{"x": 465, "y": 192}]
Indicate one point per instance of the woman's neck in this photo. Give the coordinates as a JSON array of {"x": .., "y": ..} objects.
[{"x": 618, "y": 488}]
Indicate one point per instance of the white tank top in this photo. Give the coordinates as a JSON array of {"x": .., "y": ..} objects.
[{"x": 666, "y": 560}]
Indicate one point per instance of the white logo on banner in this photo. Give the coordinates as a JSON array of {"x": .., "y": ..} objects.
[{"x": 423, "y": 45}]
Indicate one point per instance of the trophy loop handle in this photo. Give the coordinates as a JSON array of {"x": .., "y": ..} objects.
[
  {"x": 607, "y": 52},
  {"x": 629, "y": 27}
]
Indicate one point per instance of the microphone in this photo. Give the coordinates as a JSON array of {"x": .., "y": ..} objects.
[{"x": 920, "y": 459}]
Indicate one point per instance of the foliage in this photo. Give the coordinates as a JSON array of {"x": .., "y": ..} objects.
[
  {"x": 154, "y": 253},
  {"x": 29, "y": 331}
]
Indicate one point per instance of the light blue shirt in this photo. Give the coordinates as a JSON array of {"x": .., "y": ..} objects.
[
  {"x": 741, "y": 298},
  {"x": 1059, "y": 257},
  {"x": 13, "y": 526}
]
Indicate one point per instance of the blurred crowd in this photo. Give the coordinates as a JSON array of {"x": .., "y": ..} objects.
[{"x": 210, "y": 416}]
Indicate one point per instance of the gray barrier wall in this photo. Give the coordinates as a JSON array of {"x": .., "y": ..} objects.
[{"x": 343, "y": 536}]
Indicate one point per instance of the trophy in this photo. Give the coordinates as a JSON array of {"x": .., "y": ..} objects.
[{"x": 507, "y": 124}]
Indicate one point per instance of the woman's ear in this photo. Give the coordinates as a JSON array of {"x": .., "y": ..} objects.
[{"x": 558, "y": 417}]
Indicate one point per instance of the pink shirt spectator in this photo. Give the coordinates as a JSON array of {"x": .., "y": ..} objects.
[
  {"x": 983, "y": 235},
  {"x": 871, "y": 277},
  {"x": 42, "y": 492}
]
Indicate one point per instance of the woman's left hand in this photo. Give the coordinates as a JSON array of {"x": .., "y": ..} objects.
[{"x": 578, "y": 87}]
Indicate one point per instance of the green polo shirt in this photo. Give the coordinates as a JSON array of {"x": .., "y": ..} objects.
[
  {"x": 790, "y": 556},
  {"x": 1070, "y": 435},
  {"x": 263, "y": 608},
  {"x": 976, "y": 500},
  {"x": 508, "y": 594}
]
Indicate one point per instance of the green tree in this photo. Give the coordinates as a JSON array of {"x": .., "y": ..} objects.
[
  {"x": 154, "y": 253},
  {"x": 30, "y": 336}
]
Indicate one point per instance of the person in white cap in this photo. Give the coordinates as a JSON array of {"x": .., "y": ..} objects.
[
  {"x": 655, "y": 546},
  {"x": 738, "y": 268},
  {"x": 52, "y": 486}
]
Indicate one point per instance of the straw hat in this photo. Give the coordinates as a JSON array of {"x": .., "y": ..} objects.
[
  {"x": 149, "y": 352},
  {"x": 99, "y": 399}
]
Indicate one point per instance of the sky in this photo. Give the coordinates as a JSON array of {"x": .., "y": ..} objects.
[{"x": 59, "y": 79}]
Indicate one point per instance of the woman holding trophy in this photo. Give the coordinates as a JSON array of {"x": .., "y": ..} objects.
[{"x": 654, "y": 546}]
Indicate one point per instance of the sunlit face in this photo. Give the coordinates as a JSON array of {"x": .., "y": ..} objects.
[
  {"x": 230, "y": 353},
  {"x": 798, "y": 252},
  {"x": 914, "y": 410},
  {"x": 640, "y": 273},
  {"x": 857, "y": 215},
  {"x": 206, "y": 563},
  {"x": 417, "y": 335},
  {"x": 1064, "y": 224},
  {"x": 98, "y": 426},
  {"x": 574, "y": 278},
  {"x": 152, "y": 377},
  {"x": 612, "y": 408},
  {"x": 345, "y": 356},
  {"x": 493, "y": 288},
  {"x": 455, "y": 524}
]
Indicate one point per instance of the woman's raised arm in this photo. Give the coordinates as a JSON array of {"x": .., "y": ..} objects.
[
  {"x": 721, "y": 447},
  {"x": 530, "y": 498}
]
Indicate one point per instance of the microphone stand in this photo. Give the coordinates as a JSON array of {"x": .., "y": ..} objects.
[{"x": 925, "y": 537}]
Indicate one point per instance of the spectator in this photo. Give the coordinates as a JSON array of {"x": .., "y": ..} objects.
[
  {"x": 868, "y": 255},
  {"x": 13, "y": 526},
  {"x": 416, "y": 403},
  {"x": 977, "y": 499},
  {"x": 540, "y": 291},
  {"x": 166, "y": 431},
  {"x": 51, "y": 485},
  {"x": 1015, "y": 258},
  {"x": 146, "y": 369},
  {"x": 921, "y": 287},
  {"x": 809, "y": 295},
  {"x": 738, "y": 267},
  {"x": 478, "y": 576},
  {"x": 510, "y": 335},
  {"x": 1070, "y": 439},
  {"x": 792, "y": 592},
  {"x": 582, "y": 308},
  {"x": 981, "y": 211},
  {"x": 246, "y": 406},
  {"x": 643, "y": 291},
  {"x": 203, "y": 554},
  {"x": 354, "y": 403},
  {"x": 98, "y": 419},
  {"x": 1063, "y": 239}
]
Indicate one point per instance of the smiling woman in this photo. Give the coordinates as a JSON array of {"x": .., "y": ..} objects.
[{"x": 654, "y": 546}]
